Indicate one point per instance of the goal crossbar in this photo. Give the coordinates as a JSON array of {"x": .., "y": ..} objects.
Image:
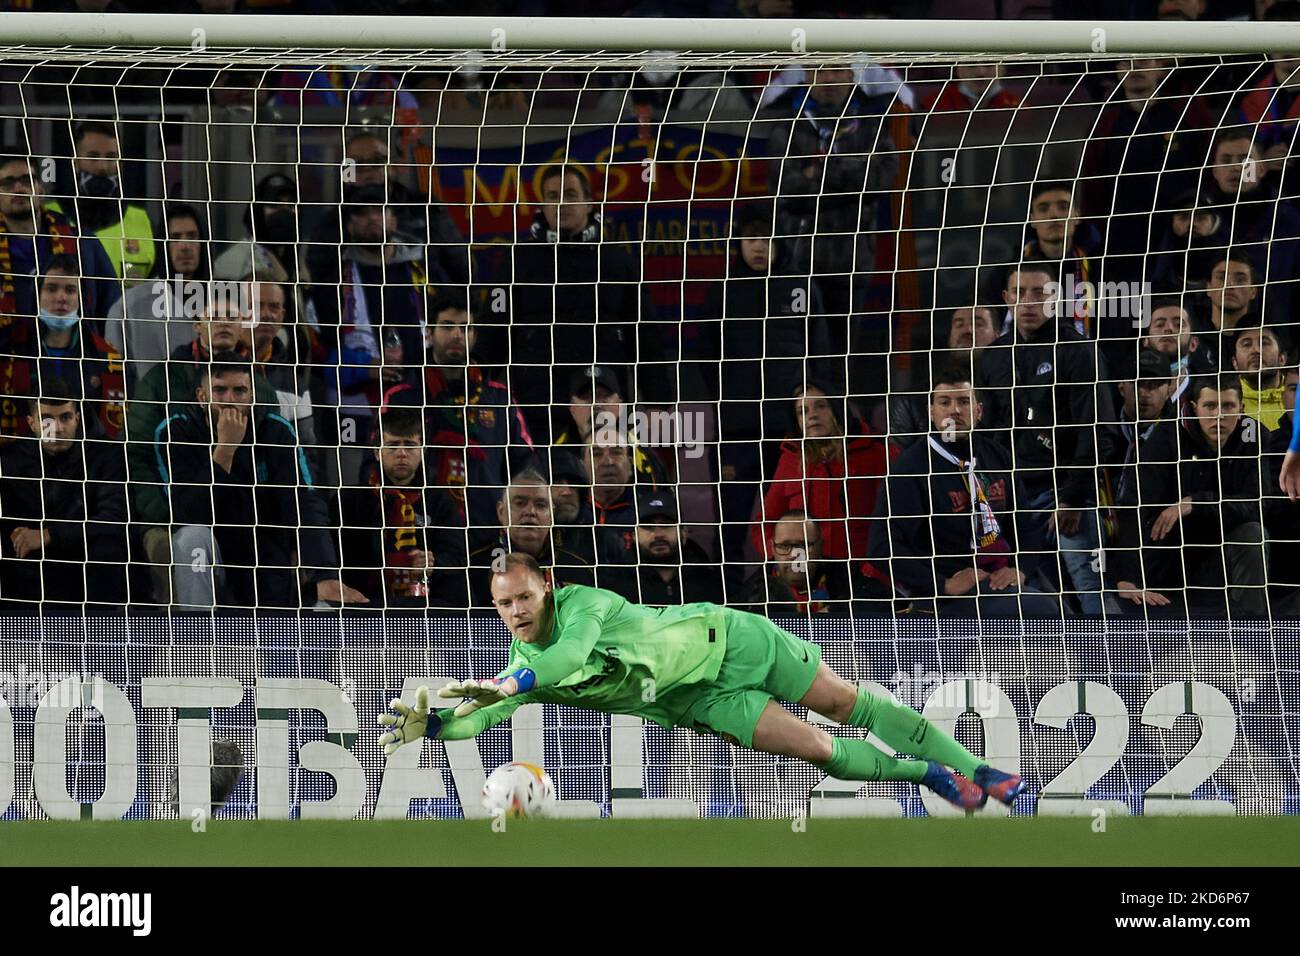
[{"x": 171, "y": 30}]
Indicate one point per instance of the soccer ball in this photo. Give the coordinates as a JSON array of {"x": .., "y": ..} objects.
[{"x": 518, "y": 790}]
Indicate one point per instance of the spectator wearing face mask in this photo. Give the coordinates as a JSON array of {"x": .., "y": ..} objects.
[
  {"x": 99, "y": 207},
  {"x": 1170, "y": 333},
  {"x": 973, "y": 86},
  {"x": 71, "y": 350},
  {"x": 57, "y": 343}
]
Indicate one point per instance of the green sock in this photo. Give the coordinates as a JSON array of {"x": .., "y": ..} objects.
[
  {"x": 905, "y": 730},
  {"x": 858, "y": 760}
]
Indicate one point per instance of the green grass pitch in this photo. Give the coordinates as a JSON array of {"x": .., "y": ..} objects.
[{"x": 1253, "y": 841}]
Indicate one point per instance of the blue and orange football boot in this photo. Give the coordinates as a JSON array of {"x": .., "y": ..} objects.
[
  {"x": 953, "y": 787},
  {"x": 1003, "y": 787}
]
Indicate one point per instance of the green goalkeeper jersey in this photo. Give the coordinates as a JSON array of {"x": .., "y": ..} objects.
[{"x": 604, "y": 653}]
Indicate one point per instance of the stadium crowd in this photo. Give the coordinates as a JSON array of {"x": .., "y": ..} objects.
[{"x": 343, "y": 407}]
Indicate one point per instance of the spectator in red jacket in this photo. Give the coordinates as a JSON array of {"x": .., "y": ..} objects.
[{"x": 831, "y": 476}]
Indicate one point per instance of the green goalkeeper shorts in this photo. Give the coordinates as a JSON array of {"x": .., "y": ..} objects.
[{"x": 762, "y": 663}]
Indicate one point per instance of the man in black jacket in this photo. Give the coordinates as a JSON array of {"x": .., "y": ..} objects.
[
  {"x": 1145, "y": 412},
  {"x": 234, "y": 475},
  {"x": 402, "y": 543},
  {"x": 63, "y": 501},
  {"x": 1198, "y": 488},
  {"x": 673, "y": 569},
  {"x": 1040, "y": 381},
  {"x": 945, "y": 532},
  {"x": 575, "y": 300}
]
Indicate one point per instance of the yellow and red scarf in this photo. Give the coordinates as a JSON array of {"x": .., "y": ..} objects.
[
  {"x": 402, "y": 533},
  {"x": 18, "y": 332}
]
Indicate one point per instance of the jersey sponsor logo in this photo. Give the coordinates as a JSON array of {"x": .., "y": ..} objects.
[{"x": 1044, "y": 369}]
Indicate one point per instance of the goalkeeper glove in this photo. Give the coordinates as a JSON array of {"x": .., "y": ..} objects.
[
  {"x": 481, "y": 693},
  {"x": 408, "y": 723}
]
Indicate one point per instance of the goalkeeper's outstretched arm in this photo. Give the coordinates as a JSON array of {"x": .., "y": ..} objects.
[{"x": 409, "y": 723}]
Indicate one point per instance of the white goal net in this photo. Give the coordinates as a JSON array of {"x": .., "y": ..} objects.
[{"x": 862, "y": 341}]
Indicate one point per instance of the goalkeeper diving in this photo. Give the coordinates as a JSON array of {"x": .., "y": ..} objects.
[{"x": 712, "y": 669}]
